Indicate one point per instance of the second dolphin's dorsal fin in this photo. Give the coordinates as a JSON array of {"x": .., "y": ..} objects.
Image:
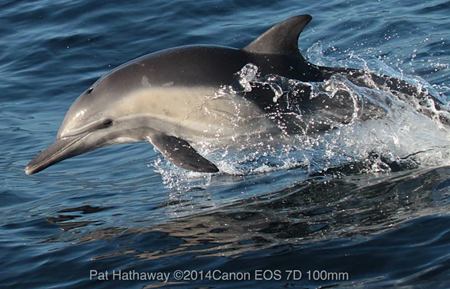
[{"x": 281, "y": 38}]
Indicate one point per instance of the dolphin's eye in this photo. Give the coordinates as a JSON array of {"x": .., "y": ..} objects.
[
  {"x": 107, "y": 122},
  {"x": 90, "y": 90}
]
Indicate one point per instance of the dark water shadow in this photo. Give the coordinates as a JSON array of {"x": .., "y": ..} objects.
[{"x": 319, "y": 209}]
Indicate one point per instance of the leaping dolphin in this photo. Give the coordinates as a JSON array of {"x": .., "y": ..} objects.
[{"x": 172, "y": 98}]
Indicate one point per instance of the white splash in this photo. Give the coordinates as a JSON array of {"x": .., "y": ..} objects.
[{"x": 402, "y": 129}]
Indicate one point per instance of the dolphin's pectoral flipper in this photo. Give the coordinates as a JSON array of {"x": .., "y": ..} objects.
[{"x": 181, "y": 153}]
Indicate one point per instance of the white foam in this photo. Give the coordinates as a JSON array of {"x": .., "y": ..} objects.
[{"x": 400, "y": 133}]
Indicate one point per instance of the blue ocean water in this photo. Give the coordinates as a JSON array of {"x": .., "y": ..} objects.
[{"x": 124, "y": 209}]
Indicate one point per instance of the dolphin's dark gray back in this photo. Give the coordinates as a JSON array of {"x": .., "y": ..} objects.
[{"x": 275, "y": 52}]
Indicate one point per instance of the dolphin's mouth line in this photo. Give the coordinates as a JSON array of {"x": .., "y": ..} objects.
[
  {"x": 77, "y": 135},
  {"x": 48, "y": 160}
]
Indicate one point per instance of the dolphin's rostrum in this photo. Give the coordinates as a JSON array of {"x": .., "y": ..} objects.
[{"x": 169, "y": 98}]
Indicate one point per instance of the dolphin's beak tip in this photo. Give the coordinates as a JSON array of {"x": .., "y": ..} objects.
[
  {"x": 58, "y": 151},
  {"x": 28, "y": 170}
]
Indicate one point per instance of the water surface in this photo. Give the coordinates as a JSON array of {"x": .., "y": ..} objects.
[{"x": 381, "y": 223}]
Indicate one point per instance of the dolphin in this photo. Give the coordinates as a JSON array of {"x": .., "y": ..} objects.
[{"x": 178, "y": 97}]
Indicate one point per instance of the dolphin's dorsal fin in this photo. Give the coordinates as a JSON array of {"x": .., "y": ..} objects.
[{"x": 281, "y": 38}]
